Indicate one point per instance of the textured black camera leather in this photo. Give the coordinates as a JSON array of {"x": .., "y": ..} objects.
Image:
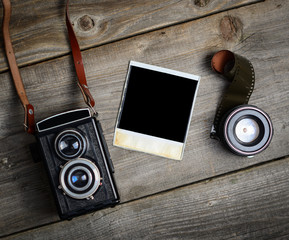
[{"x": 104, "y": 196}]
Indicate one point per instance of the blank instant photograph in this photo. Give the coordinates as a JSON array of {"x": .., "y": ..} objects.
[{"x": 156, "y": 110}]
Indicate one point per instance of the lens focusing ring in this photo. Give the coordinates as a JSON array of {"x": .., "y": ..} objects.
[
  {"x": 91, "y": 171},
  {"x": 229, "y": 128},
  {"x": 81, "y": 144}
]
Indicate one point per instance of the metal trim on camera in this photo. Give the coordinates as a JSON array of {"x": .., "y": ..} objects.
[
  {"x": 68, "y": 178},
  {"x": 70, "y": 144}
]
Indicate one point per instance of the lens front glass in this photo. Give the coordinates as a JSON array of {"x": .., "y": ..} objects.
[
  {"x": 69, "y": 145},
  {"x": 247, "y": 130},
  {"x": 79, "y": 178}
]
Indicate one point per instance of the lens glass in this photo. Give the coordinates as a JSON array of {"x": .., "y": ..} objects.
[
  {"x": 69, "y": 145},
  {"x": 79, "y": 178},
  {"x": 247, "y": 130}
]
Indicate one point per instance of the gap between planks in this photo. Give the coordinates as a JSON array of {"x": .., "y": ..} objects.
[
  {"x": 191, "y": 185},
  {"x": 220, "y": 178},
  {"x": 141, "y": 32}
]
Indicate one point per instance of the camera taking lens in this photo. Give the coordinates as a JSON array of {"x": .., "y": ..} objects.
[
  {"x": 79, "y": 178},
  {"x": 70, "y": 144}
]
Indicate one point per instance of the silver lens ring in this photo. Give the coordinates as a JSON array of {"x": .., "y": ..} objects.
[
  {"x": 77, "y": 150},
  {"x": 69, "y": 168}
]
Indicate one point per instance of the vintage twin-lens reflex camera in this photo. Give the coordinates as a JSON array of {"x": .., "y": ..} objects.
[
  {"x": 72, "y": 144},
  {"x": 78, "y": 162}
]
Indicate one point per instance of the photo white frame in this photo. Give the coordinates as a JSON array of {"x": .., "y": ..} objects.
[{"x": 147, "y": 143}]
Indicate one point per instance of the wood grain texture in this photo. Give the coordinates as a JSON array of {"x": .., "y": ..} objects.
[
  {"x": 262, "y": 38},
  {"x": 38, "y": 28},
  {"x": 253, "y": 204}
]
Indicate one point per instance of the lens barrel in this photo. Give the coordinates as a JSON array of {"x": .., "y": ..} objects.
[
  {"x": 246, "y": 130},
  {"x": 79, "y": 178}
]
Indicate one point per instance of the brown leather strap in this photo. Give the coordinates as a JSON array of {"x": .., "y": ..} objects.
[
  {"x": 240, "y": 72},
  {"x": 78, "y": 63},
  {"x": 29, "y": 122},
  {"x": 28, "y": 108}
]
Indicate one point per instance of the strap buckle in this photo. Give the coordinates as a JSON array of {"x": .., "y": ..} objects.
[
  {"x": 29, "y": 122},
  {"x": 92, "y": 109}
]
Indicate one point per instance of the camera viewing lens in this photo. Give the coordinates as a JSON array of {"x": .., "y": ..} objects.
[
  {"x": 79, "y": 178},
  {"x": 70, "y": 144}
]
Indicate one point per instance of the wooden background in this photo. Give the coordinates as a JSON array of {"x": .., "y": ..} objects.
[{"x": 211, "y": 193}]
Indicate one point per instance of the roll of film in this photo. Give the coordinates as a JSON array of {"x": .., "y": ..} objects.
[{"x": 245, "y": 129}]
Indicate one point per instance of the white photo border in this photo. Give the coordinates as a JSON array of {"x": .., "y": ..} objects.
[{"x": 146, "y": 143}]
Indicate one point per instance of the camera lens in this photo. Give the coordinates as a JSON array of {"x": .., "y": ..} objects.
[
  {"x": 246, "y": 130},
  {"x": 79, "y": 178},
  {"x": 70, "y": 144}
]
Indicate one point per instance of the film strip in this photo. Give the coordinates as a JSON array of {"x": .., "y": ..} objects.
[
  {"x": 240, "y": 72},
  {"x": 244, "y": 129}
]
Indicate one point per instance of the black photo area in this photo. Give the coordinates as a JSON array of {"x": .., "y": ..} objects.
[{"x": 157, "y": 104}]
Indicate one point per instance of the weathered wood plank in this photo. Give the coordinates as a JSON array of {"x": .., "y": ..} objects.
[
  {"x": 38, "y": 28},
  {"x": 252, "y": 204},
  {"x": 187, "y": 47}
]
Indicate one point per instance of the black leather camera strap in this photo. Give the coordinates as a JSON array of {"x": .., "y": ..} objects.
[
  {"x": 240, "y": 72},
  {"x": 29, "y": 121}
]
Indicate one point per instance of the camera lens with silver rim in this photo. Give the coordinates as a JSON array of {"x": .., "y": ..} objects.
[
  {"x": 70, "y": 144},
  {"x": 246, "y": 130},
  {"x": 79, "y": 178}
]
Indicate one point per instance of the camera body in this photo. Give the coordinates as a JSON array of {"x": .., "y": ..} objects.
[{"x": 78, "y": 163}]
